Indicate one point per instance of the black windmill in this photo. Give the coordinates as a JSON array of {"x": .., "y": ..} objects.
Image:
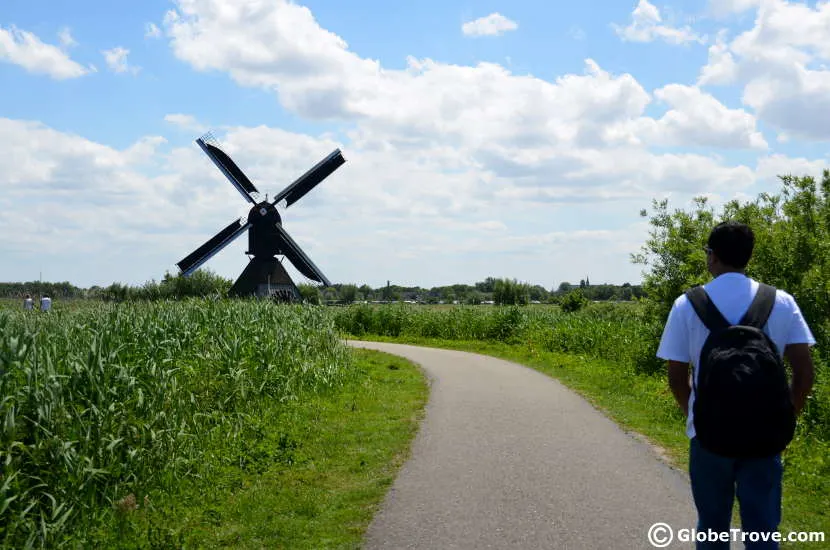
[{"x": 264, "y": 274}]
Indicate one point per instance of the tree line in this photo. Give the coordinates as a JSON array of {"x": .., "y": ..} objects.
[
  {"x": 204, "y": 282},
  {"x": 499, "y": 291}
]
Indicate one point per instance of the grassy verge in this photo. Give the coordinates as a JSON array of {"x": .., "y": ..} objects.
[
  {"x": 313, "y": 478},
  {"x": 644, "y": 405}
]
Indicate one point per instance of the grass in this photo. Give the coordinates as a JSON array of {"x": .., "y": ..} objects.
[
  {"x": 644, "y": 405},
  {"x": 336, "y": 456},
  {"x": 111, "y": 409}
]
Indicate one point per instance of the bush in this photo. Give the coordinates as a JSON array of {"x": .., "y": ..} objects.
[{"x": 573, "y": 301}]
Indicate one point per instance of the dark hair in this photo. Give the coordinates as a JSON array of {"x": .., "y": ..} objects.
[{"x": 732, "y": 242}]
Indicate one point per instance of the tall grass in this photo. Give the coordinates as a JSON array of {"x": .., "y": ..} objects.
[
  {"x": 106, "y": 405},
  {"x": 609, "y": 331},
  {"x": 619, "y": 332}
]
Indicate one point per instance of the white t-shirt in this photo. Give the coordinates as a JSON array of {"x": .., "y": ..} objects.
[
  {"x": 28, "y": 303},
  {"x": 45, "y": 304},
  {"x": 732, "y": 293}
]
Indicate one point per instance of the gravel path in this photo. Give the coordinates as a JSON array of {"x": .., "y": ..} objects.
[{"x": 507, "y": 457}]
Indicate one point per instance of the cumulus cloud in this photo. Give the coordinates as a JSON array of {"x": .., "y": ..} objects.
[
  {"x": 780, "y": 63},
  {"x": 25, "y": 49},
  {"x": 494, "y": 24},
  {"x": 695, "y": 118},
  {"x": 116, "y": 59},
  {"x": 522, "y": 131},
  {"x": 647, "y": 26},
  {"x": 447, "y": 164}
]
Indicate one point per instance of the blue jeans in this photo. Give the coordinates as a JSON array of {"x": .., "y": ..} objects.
[{"x": 716, "y": 481}]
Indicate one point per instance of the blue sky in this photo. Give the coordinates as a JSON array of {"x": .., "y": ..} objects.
[{"x": 526, "y": 152}]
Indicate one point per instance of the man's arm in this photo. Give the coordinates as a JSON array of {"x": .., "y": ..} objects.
[
  {"x": 803, "y": 373},
  {"x": 679, "y": 384}
]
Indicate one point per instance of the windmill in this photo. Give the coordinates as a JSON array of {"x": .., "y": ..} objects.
[{"x": 264, "y": 274}]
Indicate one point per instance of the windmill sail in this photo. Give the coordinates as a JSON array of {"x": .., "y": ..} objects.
[
  {"x": 216, "y": 243},
  {"x": 228, "y": 167},
  {"x": 299, "y": 259},
  {"x": 310, "y": 179}
]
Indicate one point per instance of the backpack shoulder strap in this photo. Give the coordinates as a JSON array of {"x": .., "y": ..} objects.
[
  {"x": 760, "y": 308},
  {"x": 705, "y": 309}
]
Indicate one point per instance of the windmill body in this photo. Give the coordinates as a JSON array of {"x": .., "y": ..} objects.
[{"x": 267, "y": 239}]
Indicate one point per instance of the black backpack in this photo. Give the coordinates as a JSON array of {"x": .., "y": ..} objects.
[{"x": 743, "y": 407}]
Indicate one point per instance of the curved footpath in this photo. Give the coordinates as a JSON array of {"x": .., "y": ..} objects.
[{"x": 507, "y": 457}]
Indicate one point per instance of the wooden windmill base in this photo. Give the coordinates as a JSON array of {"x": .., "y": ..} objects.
[{"x": 266, "y": 277}]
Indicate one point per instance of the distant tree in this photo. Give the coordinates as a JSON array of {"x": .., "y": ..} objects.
[
  {"x": 310, "y": 293},
  {"x": 573, "y": 301},
  {"x": 474, "y": 298},
  {"x": 538, "y": 293},
  {"x": 348, "y": 293},
  {"x": 510, "y": 292},
  {"x": 486, "y": 286}
]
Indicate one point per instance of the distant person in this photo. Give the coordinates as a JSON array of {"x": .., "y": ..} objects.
[
  {"x": 45, "y": 303},
  {"x": 28, "y": 303},
  {"x": 730, "y": 457}
]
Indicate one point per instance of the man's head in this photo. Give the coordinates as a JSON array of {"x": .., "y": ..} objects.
[{"x": 729, "y": 248}]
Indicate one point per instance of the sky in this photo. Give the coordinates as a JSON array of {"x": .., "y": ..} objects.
[{"x": 482, "y": 139}]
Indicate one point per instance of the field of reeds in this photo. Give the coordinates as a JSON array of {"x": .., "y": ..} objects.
[{"x": 109, "y": 408}]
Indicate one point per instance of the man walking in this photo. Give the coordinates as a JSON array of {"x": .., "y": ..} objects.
[{"x": 718, "y": 477}]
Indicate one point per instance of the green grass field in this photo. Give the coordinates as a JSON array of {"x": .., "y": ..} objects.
[
  {"x": 240, "y": 424},
  {"x": 220, "y": 423}
]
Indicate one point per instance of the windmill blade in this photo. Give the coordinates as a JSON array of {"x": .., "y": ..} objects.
[
  {"x": 297, "y": 257},
  {"x": 228, "y": 167},
  {"x": 310, "y": 179},
  {"x": 219, "y": 241}
]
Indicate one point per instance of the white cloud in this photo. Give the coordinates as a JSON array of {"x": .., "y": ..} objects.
[
  {"x": 65, "y": 37},
  {"x": 770, "y": 167},
  {"x": 721, "y": 68},
  {"x": 187, "y": 122},
  {"x": 779, "y": 63},
  {"x": 151, "y": 31},
  {"x": 646, "y": 26},
  {"x": 494, "y": 24},
  {"x": 25, "y": 49},
  {"x": 511, "y": 131},
  {"x": 116, "y": 59},
  {"x": 695, "y": 118}
]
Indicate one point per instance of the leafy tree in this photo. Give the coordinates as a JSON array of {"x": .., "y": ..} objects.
[
  {"x": 348, "y": 293},
  {"x": 510, "y": 292},
  {"x": 487, "y": 286},
  {"x": 310, "y": 293},
  {"x": 474, "y": 298},
  {"x": 573, "y": 301}
]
